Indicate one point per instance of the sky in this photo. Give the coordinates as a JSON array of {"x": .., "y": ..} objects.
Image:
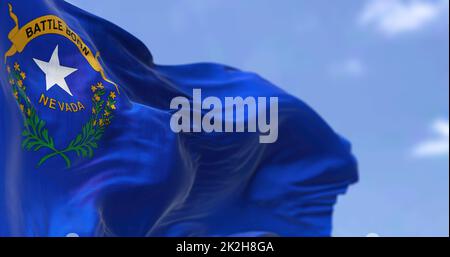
[{"x": 376, "y": 70}]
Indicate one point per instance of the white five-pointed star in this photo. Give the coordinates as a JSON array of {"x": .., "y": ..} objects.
[{"x": 55, "y": 74}]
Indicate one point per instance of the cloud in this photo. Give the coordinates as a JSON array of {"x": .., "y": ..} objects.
[
  {"x": 351, "y": 67},
  {"x": 393, "y": 17},
  {"x": 437, "y": 146}
]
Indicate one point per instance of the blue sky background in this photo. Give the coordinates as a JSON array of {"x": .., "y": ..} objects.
[{"x": 377, "y": 71}]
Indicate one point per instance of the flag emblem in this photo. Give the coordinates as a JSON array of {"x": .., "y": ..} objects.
[{"x": 35, "y": 106}]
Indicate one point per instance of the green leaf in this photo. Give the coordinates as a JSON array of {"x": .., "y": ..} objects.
[
  {"x": 31, "y": 145},
  {"x": 83, "y": 152},
  {"x": 45, "y": 135},
  {"x": 25, "y": 142},
  {"x": 35, "y": 121},
  {"x": 38, "y": 148},
  {"x": 77, "y": 140},
  {"x": 41, "y": 125},
  {"x": 90, "y": 151}
]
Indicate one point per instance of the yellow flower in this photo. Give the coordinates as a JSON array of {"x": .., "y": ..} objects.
[
  {"x": 8, "y": 69},
  {"x": 93, "y": 88},
  {"x": 94, "y": 111},
  {"x": 101, "y": 123},
  {"x": 107, "y": 113},
  {"x": 113, "y": 107},
  {"x": 96, "y": 98},
  {"x": 29, "y": 112},
  {"x": 100, "y": 85},
  {"x": 95, "y": 123},
  {"x": 20, "y": 83},
  {"x": 11, "y": 81},
  {"x": 112, "y": 95},
  {"x": 16, "y": 94},
  {"x": 23, "y": 75},
  {"x": 16, "y": 66},
  {"x": 21, "y": 107}
]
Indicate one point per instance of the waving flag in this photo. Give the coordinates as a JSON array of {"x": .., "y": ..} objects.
[{"x": 89, "y": 146}]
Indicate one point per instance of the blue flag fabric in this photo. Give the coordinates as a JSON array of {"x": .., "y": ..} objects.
[{"x": 87, "y": 146}]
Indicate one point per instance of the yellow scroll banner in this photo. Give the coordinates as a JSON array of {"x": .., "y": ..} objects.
[{"x": 45, "y": 25}]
